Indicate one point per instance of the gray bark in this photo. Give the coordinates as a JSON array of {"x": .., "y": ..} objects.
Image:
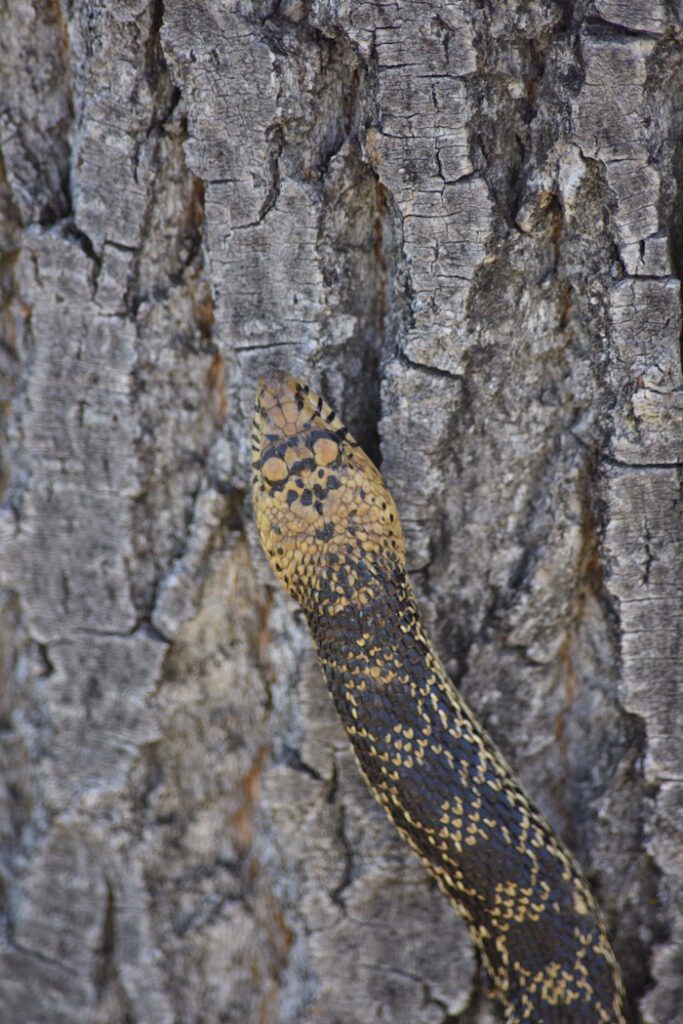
[{"x": 462, "y": 221}]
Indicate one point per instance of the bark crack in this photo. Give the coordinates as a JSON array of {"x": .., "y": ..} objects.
[{"x": 337, "y": 895}]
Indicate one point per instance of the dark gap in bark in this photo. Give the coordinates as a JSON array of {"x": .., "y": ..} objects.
[
  {"x": 676, "y": 231},
  {"x": 10, "y": 369},
  {"x": 337, "y": 895},
  {"x": 105, "y": 971},
  {"x": 664, "y": 113},
  {"x": 55, "y": 168},
  {"x": 638, "y": 922},
  {"x": 611, "y": 31},
  {"x": 353, "y": 230},
  {"x": 501, "y": 142},
  {"x": 155, "y": 62},
  {"x": 107, "y": 983}
]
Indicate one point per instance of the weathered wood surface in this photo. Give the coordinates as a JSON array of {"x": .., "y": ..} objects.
[{"x": 462, "y": 222}]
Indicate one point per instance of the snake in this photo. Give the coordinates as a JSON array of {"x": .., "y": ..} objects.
[{"x": 331, "y": 532}]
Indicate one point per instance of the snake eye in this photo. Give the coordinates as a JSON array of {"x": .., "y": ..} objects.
[
  {"x": 325, "y": 451},
  {"x": 275, "y": 470}
]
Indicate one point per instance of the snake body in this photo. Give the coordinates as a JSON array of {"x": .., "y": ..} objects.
[{"x": 331, "y": 532}]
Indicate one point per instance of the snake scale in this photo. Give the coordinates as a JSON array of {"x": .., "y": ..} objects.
[{"x": 331, "y": 532}]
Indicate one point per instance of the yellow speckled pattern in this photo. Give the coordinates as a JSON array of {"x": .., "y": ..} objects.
[{"x": 331, "y": 532}]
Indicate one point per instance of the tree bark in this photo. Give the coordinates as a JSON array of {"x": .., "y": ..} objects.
[{"x": 463, "y": 223}]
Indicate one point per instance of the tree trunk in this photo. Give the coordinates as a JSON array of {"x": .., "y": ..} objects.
[{"x": 462, "y": 222}]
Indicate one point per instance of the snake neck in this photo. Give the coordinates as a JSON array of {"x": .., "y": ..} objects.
[{"x": 363, "y": 633}]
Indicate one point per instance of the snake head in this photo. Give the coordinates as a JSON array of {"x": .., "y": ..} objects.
[{"x": 326, "y": 520}]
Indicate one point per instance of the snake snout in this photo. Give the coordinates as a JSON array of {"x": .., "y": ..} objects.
[
  {"x": 282, "y": 407},
  {"x": 274, "y": 384}
]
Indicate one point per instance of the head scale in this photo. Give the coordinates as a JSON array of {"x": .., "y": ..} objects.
[{"x": 326, "y": 520}]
